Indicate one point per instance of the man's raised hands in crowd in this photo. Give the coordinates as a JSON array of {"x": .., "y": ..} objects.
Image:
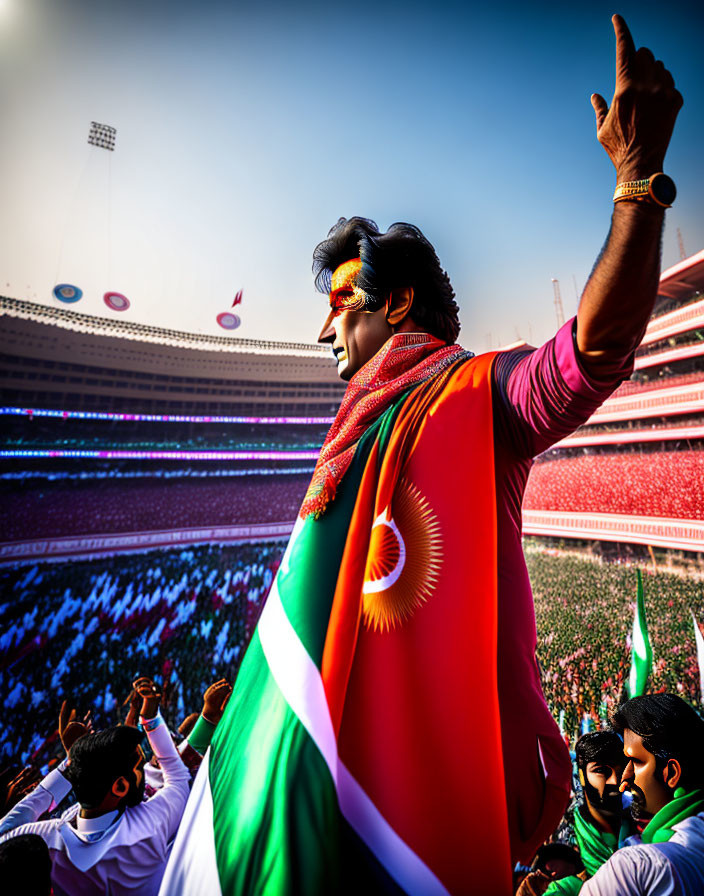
[
  {"x": 215, "y": 700},
  {"x": 19, "y": 787},
  {"x": 635, "y": 130},
  {"x": 135, "y": 702},
  {"x": 71, "y": 727},
  {"x": 150, "y": 696}
]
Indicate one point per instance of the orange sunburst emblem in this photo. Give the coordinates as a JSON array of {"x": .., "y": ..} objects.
[{"x": 405, "y": 553}]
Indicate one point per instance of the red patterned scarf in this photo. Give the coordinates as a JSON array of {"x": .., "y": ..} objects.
[{"x": 405, "y": 360}]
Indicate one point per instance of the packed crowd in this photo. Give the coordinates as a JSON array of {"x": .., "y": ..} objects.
[
  {"x": 584, "y": 616},
  {"x": 657, "y": 483},
  {"x": 185, "y": 617},
  {"x": 186, "y": 614},
  {"x": 82, "y": 507},
  {"x": 120, "y": 812}
]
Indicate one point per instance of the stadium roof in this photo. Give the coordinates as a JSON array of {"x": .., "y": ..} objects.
[
  {"x": 683, "y": 278},
  {"x": 121, "y": 329}
]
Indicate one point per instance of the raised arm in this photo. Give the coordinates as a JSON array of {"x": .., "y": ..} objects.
[{"x": 635, "y": 131}]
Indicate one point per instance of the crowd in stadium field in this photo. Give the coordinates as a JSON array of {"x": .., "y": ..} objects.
[
  {"x": 82, "y": 635},
  {"x": 186, "y": 614},
  {"x": 83, "y": 631},
  {"x": 657, "y": 483},
  {"x": 584, "y": 617},
  {"x": 84, "y": 507}
]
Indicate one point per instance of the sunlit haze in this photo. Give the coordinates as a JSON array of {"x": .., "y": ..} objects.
[{"x": 245, "y": 131}]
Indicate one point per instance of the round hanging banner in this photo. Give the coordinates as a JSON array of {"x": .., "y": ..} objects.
[
  {"x": 116, "y": 301},
  {"x": 228, "y": 320},
  {"x": 65, "y": 292}
]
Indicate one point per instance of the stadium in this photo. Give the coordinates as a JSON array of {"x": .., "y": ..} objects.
[{"x": 151, "y": 479}]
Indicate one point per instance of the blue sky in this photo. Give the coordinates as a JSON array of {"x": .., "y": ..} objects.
[{"x": 246, "y": 130}]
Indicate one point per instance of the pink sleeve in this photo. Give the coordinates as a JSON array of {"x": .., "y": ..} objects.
[{"x": 541, "y": 395}]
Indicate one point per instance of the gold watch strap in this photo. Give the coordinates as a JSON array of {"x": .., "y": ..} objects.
[{"x": 638, "y": 191}]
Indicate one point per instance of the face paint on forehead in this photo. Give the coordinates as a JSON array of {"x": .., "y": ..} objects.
[
  {"x": 344, "y": 292},
  {"x": 345, "y": 275}
]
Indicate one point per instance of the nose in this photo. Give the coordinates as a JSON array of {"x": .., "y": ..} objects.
[
  {"x": 327, "y": 334},
  {"x": 627, "y": 776}
]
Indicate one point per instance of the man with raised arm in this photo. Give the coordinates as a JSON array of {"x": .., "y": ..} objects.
[
  {"x": 111, "y": 841},
  {"x": 388, "y": 731}
]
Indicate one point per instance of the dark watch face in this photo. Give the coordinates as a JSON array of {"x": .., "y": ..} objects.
[{"x": 664, "y": 189}]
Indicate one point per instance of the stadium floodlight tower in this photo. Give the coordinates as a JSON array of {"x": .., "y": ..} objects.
[
  {"x": 102, "y": 135},
  {"x": 559, "y": 310}
]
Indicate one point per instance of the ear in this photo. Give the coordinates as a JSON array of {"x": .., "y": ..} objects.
[
  {"x": 399, "y": 305},
  {"x": 672, "y": 774},
  {"x": 120, "y": 787}
]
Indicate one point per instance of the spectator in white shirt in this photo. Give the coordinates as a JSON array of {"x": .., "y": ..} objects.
[{"x": 111, "y": 841}]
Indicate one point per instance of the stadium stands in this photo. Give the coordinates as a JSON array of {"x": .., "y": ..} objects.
[
  {"x": 147, "y": 504},
  {"x": 661, "y": 483}
]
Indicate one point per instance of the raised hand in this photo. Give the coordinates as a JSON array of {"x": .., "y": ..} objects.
[
  {"x": 20, "y": 786},
  {"x": 215, "y": 700},
  {"x": 635, "y": 130},
  {"x": 150, "y": 696},
  {"x": 135, "y": 702},
  {"x": 70, "y": 728}
]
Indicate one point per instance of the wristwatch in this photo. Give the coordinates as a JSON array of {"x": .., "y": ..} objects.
[{"x": 658, "y": 189}]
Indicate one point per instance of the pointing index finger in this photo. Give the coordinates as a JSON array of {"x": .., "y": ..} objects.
[{"x": 625, "y": 48}]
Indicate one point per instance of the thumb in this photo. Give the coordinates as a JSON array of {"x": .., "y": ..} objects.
[{"x": 600, "y": 109}]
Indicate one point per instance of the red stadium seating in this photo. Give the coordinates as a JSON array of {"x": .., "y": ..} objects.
[
  {"x": 149, "y": 504},
  {"x": 663, "y": 484}
]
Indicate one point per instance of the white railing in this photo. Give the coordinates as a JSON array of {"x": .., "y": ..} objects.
[
  {"x": 684, "y": 535},
  {"x": 125, "y": 542},
  {"x": 687, "y": 399},
  {"x": 681, "y": 353},
  {"x": 678, "y": 321},
  {"x": 628, "y": 436}
]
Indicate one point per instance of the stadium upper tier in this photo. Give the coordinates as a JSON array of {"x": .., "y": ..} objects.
[
  {"x": 56, "y": 358},
  {"x": 148, "y": 504}
]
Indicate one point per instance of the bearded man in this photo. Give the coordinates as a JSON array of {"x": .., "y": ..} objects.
[
  {"x": 387, "y": 731},
  {"x": 601, "y": 823}
]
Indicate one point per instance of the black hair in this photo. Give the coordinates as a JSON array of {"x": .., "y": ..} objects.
[
  {"x": 562, "y": 851},
  {"x": 599, "y": 746},
  {"x": 98, "y": 760},
  {"x": 401, "y": 257},
  {"x": 25, "y": 865},
  {"x": 669, "y": 728}
]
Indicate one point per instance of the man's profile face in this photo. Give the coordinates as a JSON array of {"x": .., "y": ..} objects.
[
  {"x": 649, "y": 791},
  {"x": 354, "y": 335},
  {"x": 601, "y": 786}
]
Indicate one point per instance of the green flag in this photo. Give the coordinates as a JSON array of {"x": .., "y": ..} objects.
[{"x": 641, "y": 651}]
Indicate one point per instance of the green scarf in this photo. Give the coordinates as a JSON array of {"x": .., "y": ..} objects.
[
  {"x": 566, "y": 886},
  {"x": 595, "y": 846},
  {"x": 683, "y": 805}
]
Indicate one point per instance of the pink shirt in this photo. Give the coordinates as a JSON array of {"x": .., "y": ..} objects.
[{"x": 539, "y": 396}]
